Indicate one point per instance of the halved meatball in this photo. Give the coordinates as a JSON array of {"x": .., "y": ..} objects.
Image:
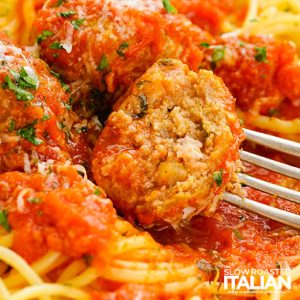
[
  {"x": 170, "y": 146},
  {"x": 35, "y": 117}
]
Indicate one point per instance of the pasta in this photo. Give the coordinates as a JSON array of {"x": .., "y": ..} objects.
[
  {"x": 26, "y": 281},
  {"x": 280, "y": 18}
]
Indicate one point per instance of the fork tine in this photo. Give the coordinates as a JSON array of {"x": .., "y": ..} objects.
[
  {"x": 270, "y": 188},
  {"x": 270, "y": 164},
  {"x": 270, "y": 212},
  {"x": 273, "y": 142}
]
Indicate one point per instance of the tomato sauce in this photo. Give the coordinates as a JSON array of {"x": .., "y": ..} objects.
[
  {"x": 211, "y": 14},
  {"x": 59, "y": 212},
  {"x": 236, "y": 238},
  {"x": 256, "y": 70}
]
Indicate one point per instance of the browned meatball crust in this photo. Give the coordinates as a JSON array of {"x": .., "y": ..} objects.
[{"x": 170, "y": 146}]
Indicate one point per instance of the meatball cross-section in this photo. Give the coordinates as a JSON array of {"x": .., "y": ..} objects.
[{"x": 169, "y": 148}]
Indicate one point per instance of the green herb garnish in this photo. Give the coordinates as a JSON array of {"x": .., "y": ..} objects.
[
  {"x": 272, "y": 112},
  {"x": 56, "y": 46},
  {"x": 143, "y": 106},
  {"x": 11, "y": 125},
  {"x": 4, "y": 220},
  {"x": 169, "y": 7},
  {"x": 67, "y": 14},
  {"x": 238, "y": 234},
  {"x": 45, "y": 117},
  {"x": 217, "y": 55},
  {"x": 27, "y": 81},
  {"x": 44, "y": 35},
  {"x": 97, "y": 192},
  {"x": 103, "y": 63},
  {"x": 20, "y": 93},
  {"x": 121, "y": 48},
  {"x": 77, "y": 23},
  {"x": 204, "y": 44},
  {"x": 261, "y": 54},
  {"x": 218, "y": 177},
  {"x": 28, "y": 133},
  {"x": 34, "y": 200}
]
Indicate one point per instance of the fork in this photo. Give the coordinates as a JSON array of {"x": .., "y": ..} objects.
[{"x": 270, "y": 212}]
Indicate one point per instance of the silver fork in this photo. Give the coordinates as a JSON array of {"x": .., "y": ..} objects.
[{"x": 273, "y": 213}]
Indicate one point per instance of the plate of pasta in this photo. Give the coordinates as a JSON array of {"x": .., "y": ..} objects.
[{"x": 121, "y": 123}]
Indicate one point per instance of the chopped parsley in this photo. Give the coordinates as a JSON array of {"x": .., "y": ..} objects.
[
  {"x": 67, "y": 14},
  {"x": 272, "y": 112},
  {"x": 45, "y": 117},
  {"x": 54, "y": 74},
  {"x": 238, "y": 234},
  {"x": 60, "y": 2},
  {"x": 97, "y": 191},
  {"x": 143, "y": 106},
  {"x": 4, "y": 221},
  {"x": 27, "y": 81},
  {"x": 103, "y": 63},
  {"x": 67, "y": 106},
  {"x": 77, "y": 23},
  {"x": 44, "y": 35},
  {"x": 143, "y": 103},
  {"x": 56, "y": 46},
  {"x": 28, "y": 133},
  {"x": 169, "y": 7},
  {"x": 261, "y": 54},
  {"x": 11, "y": 125},
  {"x": 23, "y": 80},
  {"x": 34, "y": 200},
  {"x": 217, "y": 55},
  {"x": 204, "y": 44},
  {"x": 121, "y": 48},
  {"x": 20, "y": 93},
  {"x": 218, "y": 177}
]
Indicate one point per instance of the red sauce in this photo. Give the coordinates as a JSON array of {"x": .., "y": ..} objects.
[
  {"x": 66, "y": 215},
  {"x": 257, "y": 68},
  {"x": 211, "y": 14},
  {"x": 237, "y": 238}
]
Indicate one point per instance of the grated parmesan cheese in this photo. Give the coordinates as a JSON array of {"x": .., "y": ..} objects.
[
  {"x": 27, "y": 167},
  {"x": 20, "y": 200},
  {"x": 67, "y": 44}
]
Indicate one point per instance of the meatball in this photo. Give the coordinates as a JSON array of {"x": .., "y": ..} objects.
[
  {"x": 35, "y": 203},
  {"x": 108, "y": 44},
  {"x": 35, "y": 120},
  {"x": 170, "y": 146},
  {"x": 258, "y": 70}
]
